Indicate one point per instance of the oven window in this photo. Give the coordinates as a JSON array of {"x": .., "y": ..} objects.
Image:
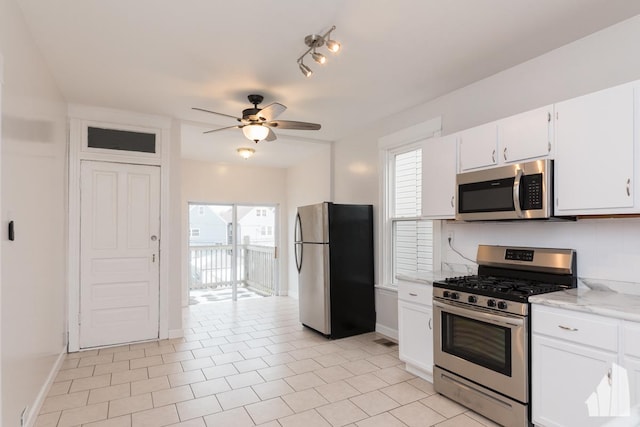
[{"x": 478, "y": 342}]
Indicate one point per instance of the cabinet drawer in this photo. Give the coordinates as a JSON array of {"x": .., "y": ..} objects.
[
  {"x": 416, "y": 293},
  {"x": 632, "y": 339},
  {"x": 581, "y": 328}
]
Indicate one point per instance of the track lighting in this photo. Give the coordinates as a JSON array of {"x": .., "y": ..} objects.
[{"x": 315, "y": 41}]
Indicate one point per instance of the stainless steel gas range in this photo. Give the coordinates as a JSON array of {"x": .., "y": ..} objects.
[{"x": 482, "y": 324}]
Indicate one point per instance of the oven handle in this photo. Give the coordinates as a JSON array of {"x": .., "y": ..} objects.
[{"x": 496, "y": 319}]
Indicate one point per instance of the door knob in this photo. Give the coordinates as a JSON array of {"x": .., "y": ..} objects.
[{"x": 154, "y": 238}]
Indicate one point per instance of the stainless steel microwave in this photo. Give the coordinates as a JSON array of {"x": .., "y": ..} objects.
[{"x": 518, "y": 191}]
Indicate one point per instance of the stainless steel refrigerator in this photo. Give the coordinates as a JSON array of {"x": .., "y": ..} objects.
[{"x": 334, "y": 256}]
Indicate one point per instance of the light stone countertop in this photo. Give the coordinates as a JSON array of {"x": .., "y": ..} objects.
[
  {"x": 428, "y": 278},
  {"x": 602, "y": 300}
]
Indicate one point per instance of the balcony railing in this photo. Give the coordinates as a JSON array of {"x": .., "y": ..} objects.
[{"x": 211, "y": 267}]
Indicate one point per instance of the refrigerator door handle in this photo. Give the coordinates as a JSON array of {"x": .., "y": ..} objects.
[
  {"x": 298, "y": 255},
  {"x": 297, "y": 232}
]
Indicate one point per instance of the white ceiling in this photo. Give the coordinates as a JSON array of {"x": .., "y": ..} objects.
[{"x": 166, "y": 56}]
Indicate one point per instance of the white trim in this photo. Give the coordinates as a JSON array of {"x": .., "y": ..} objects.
[
  {"x": 387, "y": 331},
  {"x": 79, "y": 117},
  {"x": 414, "y": 133},
  {"x": 175, "y": 333},
  {"x": 32, "y": 416},
  {"x": 403, "y": 139}
]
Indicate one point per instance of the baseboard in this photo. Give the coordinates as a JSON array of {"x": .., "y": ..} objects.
[
  {"x": 32, "y": 416},
  {"x": 175, "y": 333},
  {"x": 387, "y": 331}
]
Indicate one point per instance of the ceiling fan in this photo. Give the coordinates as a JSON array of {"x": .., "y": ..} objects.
[{"x": 257, "y": 123}]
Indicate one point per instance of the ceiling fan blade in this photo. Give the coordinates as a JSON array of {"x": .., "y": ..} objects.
[
  {"x": 213, "y": 112},
  {"x": 225, "y": 128},
  {"x": 271, "y": 111},
  {"x": 289, "y": 124},
  {"x": 271, "y": 136}
]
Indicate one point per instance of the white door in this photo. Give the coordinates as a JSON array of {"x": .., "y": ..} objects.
[{"x": 119, "y": 243}]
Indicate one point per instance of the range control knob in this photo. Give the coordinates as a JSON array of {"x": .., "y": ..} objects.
[
  {"x": 491, "y": 303},
  {"x": 454, "y": 295},
  {"x": 472, "y": 299},
  {"x": 445, "y": 294},
  {"x": 502, "y": 305}
]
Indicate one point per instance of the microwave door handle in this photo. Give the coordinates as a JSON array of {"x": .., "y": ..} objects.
[{"x": 516, "y": 193}]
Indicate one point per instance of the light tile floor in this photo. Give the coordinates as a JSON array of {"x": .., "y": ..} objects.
[{"x": 245, "y": 364}]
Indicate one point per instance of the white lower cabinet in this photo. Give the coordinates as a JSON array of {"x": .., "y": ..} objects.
[
  {"x": 565, "y": 376},
  {"x": 631, "y": 361},
  {"x": 415, "y": 329},
  {"x": 584, "y": 368}
]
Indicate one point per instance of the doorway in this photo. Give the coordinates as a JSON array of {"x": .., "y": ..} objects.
[
  {"x": 119, "y": 258},
  {"x": 232, "y": 252}
]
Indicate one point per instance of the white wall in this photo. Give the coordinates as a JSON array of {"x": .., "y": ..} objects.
[
  {"x": 308, "y": 182},
  {"x": 206, "y": 182},
  {"x": 606, "y": 248},
  {"x": 33, "y": 195}
]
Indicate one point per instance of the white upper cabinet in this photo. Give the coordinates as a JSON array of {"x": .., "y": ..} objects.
[
  {"x": 478, "y": 147},
  {"x": 439, "y": 177},
  {"x": 595, "y": 167},
  {"x": 526, "y": 136}
]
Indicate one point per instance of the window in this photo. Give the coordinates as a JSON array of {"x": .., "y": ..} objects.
[
  {"x": 113, "y": 139},
  {"x": 409, "y": 237},
  {"x": 195, "y": 232},
  {"x": 412, "y": 237}
]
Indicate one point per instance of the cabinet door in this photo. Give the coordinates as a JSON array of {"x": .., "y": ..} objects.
[
  {"x": 478, "y": 147},
  {"x": 594, "y": 168},
  {"x": 632, "y": 365},
  {"x": 415, "y": 335},
  {"x": 564, "y": 378},
  {"x": 439, "y": 177},
  {"x": 526, "y": 136}
]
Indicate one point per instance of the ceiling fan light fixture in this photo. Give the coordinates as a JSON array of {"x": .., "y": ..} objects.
[
  {"x": 246, "y": 152},
  {"x": 255, "y": 132}
]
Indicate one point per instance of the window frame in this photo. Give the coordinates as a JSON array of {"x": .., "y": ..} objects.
[{"x": 405, "y": 140}]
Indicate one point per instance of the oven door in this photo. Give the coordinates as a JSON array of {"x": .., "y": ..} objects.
[{"x": 482, "y": 346}]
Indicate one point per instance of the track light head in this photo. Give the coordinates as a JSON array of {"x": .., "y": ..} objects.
[
  {"x": 305, "y": 70},
  {"x": 333, "y": 46},
  {"x": 318, "y": 57}
]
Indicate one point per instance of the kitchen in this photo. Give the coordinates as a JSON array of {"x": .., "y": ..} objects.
[{"x": 607, "y": 248}]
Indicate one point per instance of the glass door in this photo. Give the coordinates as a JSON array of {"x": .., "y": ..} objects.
[{"x": 232, "y": 252}]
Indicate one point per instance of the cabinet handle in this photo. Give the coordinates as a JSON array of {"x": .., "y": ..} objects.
[
  {"x": 493, "y": 156},
  {"x": 566, "y": 328},
  {"x": 548, "y": 117},
  {"x": 412, "y": 294},
  {"x": 432, "y": 329},
  {"x": 549, "y": 147},
  {"x": 629, "y": 187},
  {"x": 452, "y": 201},
  {"x": 609, "y": 377},
  {"x": 504, "y": 153}
]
